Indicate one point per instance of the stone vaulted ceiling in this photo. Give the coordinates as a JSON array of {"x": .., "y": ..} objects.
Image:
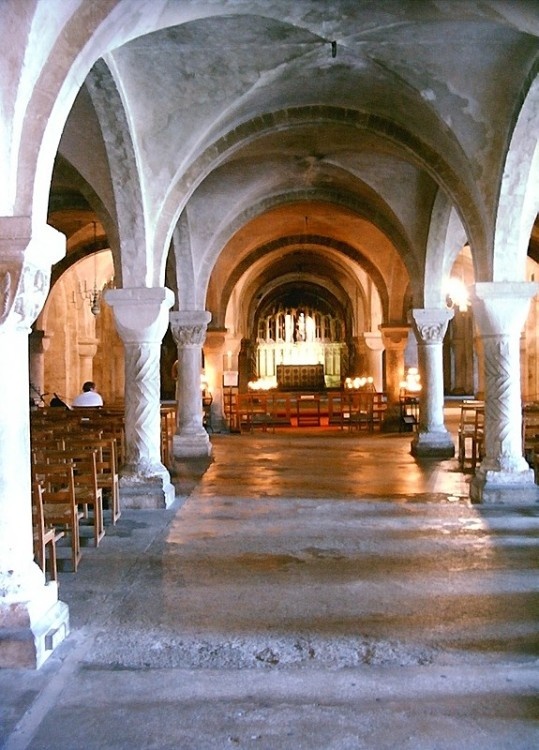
[{"x": 252, "y": 125}]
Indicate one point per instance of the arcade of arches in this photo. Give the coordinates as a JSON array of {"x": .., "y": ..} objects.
[{"x": 245, "y": 188}]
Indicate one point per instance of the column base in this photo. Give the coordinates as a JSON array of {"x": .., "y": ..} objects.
[
  {"x": 191, "y": 446},
  {"x": 504, "y": 488},
  {"x": 146, "y": 492},
  {"x": 218, "y": 425},
  {"x": 26, "y": 639},
  {"x": 433, "y": 445}
]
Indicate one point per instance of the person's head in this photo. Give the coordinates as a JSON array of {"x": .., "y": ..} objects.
[{"x": 88, "y": 386}]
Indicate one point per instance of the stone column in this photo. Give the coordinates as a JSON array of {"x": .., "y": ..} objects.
[
  {"x": 373, "y": 355},
  {"x": 394, "y": 339},
  {"x": 214, "y": 349},
  {"x": 141, "y": 316},
  {"x": 246, "y": 364},
  {"x": 432, "y": 438},
  {"x": 39, "y": 343},
  {"x": 32, "y": 620},
  {"x": 500, "y": 310},
  {"x": 87, "y": 351},
  {"x": 462, "y": 353},
  {"x": 189, "y": 331},
  {"x": 356, "y": 357},
  {"x": 479, "y": 367}
]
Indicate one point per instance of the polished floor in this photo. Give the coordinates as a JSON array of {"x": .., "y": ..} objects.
[{"x": 312, "y": 589}]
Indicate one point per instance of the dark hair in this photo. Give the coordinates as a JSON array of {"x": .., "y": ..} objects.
[{"x": 88, "y": 386}]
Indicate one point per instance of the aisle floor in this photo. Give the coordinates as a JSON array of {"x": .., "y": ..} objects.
[{"x": 311, "y": 589}]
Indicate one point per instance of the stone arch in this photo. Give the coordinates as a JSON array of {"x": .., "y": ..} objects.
[
  {"x": 64, "y": 66},
  {"x": 373, "y": 210},
  {"x": 282, "y": 242},
  {"x": 519, "y": 192},
  {"x": 83, "y": 197},
  {"x": 138, "y": 268},
  {"x": 186, "y": 281},
  {"x": 446, "y": 238},
  {"x": 455, "y": 178}
]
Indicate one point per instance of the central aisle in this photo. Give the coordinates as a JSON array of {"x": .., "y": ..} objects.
[{"x": 316, "y": 590}]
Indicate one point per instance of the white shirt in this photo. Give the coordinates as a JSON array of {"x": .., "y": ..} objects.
[{"x": 88, "y": 398}]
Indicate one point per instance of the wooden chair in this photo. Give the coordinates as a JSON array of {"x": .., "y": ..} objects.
[
  {"x": 467, "y": 429},
  {"x": 530, "y": 432},
  {"x": 106, "y": 467},
  {"x": 357, "y": 410},
  {"x": 45, "y": 537},
  {"x": 254, "y": 412},
  {"x": 379, "y": 408},
  {"x": 278, "y": 405},
  {"x": 60, "y": 507},
  {"x": 87, "y": 492},
  {"x": 105, "y": 426},
  {"x": 168, "y": 430}
]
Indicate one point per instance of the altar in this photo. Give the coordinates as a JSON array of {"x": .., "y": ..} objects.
[{"x": 300, "y": 377}]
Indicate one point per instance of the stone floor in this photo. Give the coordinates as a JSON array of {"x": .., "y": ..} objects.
[{"x": 308, "y": 589}]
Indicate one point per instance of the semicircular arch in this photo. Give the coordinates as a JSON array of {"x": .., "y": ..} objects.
[
  {"x": 455, "y": 178},
  {"x": 326, "y": 243},
  {"x": 370, "y": 207},
  {"x": 518, "y": 204}
]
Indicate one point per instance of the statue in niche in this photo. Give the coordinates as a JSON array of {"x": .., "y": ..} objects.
[{"x": 300, "y": 328}]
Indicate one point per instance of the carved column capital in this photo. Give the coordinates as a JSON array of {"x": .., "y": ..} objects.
[
  {"x": 140, "y": 313},
  {"x": 215, "y": 339},
  {"x": 39, "y": 341},
  {"x": 430, "y": 324},
  {"x": 87, "y": 347},
  {"x": 501, "y": 308},
  {"x": 26, "y": 257},
  {"x": 189, "y": 327},
  {"x": 394, "y": 338},
  {"x": 373, "y": 340}
]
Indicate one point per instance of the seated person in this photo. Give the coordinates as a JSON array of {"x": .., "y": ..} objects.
[{"x": 89, "y": 396}]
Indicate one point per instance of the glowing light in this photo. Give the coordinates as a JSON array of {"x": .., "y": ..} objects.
[
  {"x": 262, "y": 384},
  {"x": 411, "y": 383},
  {"x": 357, "y": 383},
  {"x": 457, "y": 294}
]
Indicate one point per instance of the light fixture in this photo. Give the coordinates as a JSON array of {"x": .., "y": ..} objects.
[
  {"x": 94, "y": 294},
  {"x": 457, "y": 294}
]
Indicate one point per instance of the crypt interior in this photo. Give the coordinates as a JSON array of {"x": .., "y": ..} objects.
[{"x": 279, "y": 237}]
